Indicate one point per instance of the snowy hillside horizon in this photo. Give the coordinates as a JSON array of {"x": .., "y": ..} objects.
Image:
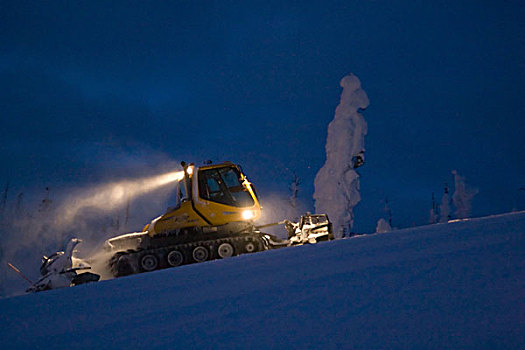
[{"x": 452, "y": 285}]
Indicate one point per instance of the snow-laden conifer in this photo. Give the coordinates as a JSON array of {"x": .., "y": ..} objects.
[
  {"x": 462, "y": 197},
  {"x": 445, "y": 206},
  {"x": 383, "y": 226},
  {"x": 337, "y": 182}
]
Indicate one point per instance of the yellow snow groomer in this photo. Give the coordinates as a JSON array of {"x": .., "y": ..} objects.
[
  {"x": 209, "y": 196},
  {"x": 212, "y": 218}
]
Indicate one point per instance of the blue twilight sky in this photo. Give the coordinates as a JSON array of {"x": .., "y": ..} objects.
[{"x": 97, "y": 90}]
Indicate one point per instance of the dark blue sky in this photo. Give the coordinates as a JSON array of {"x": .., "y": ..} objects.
[{"x": 97, "y": 90}]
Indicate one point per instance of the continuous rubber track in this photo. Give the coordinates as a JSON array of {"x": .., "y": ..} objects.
[{"x": 144, "y": 260}]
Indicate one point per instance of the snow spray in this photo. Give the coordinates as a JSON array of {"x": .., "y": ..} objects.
[
  {"x": 107, "y": 197},
  {"x": 87, "y": 212}
]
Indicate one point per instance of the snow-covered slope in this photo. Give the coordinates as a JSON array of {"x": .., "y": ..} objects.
[{"x": 457, "y": 285}]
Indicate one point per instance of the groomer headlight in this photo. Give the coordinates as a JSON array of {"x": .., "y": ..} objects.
[{"x": 248, "y": 215}]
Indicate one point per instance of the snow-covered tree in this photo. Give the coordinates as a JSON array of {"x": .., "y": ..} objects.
[
  {"x": 294, "y": 190},
  {"x": 445, "y": 206},
  {"x": 462, "y": 197},
  {"x": 433, "y": 218},
  {"x": 19, "y": 208},
  {"x": 46, "y": 203},
  {"x": 383, "y": 226},
  {"x": 337, "y": 182},
  {"x": 388, "y": 212},
  {"x": 3, "y": 200}
]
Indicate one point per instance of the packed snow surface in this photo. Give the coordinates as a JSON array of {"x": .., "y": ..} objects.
[{"x": 455, "y": 285}]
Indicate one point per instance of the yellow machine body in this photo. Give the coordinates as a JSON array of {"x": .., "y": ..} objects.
[{"x": 209, "y": 196}]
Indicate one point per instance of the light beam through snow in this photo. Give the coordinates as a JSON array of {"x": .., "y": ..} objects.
[{"x": 113, "y": 195}]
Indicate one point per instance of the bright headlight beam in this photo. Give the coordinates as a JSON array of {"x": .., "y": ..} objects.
[
  {"x": 170, "y": 177},
  {"x": 248, "y": 215},
  {"x": 114, "y": 195}
]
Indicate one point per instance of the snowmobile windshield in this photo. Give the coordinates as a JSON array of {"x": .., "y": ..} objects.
[{"x": 223, "y": 185}]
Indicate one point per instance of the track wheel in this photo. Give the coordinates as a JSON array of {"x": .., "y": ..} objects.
[
  {"x": 225, "y": 250},
  {"x": 250, "y": 247},
  {"x": 149, "y": 262},
  {"x": 120, "y": 265},
  {"x": 175, "y": 258},
  {"x": 200, "y": 254}
]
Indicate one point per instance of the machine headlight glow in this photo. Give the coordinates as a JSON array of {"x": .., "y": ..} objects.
[
  {"x": 170, "y": 177},
  {"x": 248, "y": 214}
]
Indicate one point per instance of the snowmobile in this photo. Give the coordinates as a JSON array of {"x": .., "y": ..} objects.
[
  {"x": 310, "y": 229},
  {"x": 57, "y": 271}
]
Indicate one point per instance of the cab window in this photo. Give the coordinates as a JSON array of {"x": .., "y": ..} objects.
[{"x": 223, "y": 185}]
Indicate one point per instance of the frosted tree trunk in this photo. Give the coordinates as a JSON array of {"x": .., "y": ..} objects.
[{"x": 337, "y": 182}]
